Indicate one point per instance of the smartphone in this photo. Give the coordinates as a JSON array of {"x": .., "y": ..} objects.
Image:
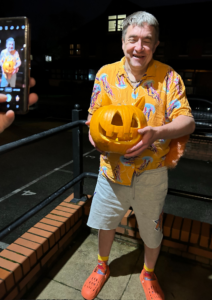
[{"x": 15, "y": 63}]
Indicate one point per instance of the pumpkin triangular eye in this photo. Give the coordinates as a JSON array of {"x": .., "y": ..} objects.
[
  {"x": 117, "y": 120},
  {"x": 134, "y": 122}
]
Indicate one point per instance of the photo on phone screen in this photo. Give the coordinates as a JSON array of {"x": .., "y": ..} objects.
[{"x": 14, "y": 63}]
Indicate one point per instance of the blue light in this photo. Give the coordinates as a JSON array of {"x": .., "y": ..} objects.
[{"x": 9, "y": 98}]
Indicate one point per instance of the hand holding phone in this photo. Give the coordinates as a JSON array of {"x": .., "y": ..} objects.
[
  {"x": 7, "y": 118},
  {"x": 14, "y": 63}
]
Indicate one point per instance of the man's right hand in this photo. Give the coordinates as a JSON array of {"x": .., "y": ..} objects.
[
  {"x": 89, "y": 135},
  {"x": 90, "y": 138}
]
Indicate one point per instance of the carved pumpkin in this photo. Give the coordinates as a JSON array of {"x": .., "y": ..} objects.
[
  {"x": 114, "y": 128},
  {"x": 8, "y": 66}
]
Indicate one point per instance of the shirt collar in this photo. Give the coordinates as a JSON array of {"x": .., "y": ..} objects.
[{"x": 151, "y": 70}]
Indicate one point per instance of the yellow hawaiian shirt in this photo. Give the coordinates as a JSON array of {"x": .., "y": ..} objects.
[{"x": 165, "y": 99}]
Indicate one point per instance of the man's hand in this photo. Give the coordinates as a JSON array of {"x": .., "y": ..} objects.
[
  {"x": 90, "y": 137},
  {"x": 7, "y": 118},
  {"x": 181, "y": 126},
  {"x": 149, "y": 137},
  {"x": 15, "y": 70}
]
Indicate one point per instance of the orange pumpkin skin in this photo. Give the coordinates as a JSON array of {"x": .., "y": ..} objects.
[
  {"x": 114, "y": 128},
  {"x": 8, "y": 66}
]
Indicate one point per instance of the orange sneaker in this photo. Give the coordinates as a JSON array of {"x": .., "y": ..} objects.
[
  {"x": 94, "y": 283},
  {"x": 151, "y": 288}
]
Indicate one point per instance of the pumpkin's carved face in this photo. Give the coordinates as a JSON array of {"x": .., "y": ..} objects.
[
  {"x": 8, "y": 66},
  {"x": 114, "y": 128}
]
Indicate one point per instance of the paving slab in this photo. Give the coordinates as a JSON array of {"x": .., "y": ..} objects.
[
  {"x": 180, "y": 278},
  {"x": 184, "y": 279},
  {"x": 78, "y": 267},
  {"x": 49, "y": 289}
]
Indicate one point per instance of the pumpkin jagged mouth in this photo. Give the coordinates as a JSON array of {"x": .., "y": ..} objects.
[{"x": 114, "y": 137}]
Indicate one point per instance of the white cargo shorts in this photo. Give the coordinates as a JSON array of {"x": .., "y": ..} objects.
[{"x": 146, "y": 195}]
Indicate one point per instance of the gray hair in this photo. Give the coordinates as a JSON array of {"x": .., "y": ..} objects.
[
  {"x": 10, "y": 40},
  {"x": 138, "y": 18}
]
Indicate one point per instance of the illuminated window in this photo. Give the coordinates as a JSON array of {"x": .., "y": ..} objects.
[
  {"x": 78, "y": 50},
  {"x": 48, "y": 58},
  {"x": 91, "y": 74},
  {"x": 31, "y": 57},
  {"x": 115, "y": 23},
  {"x": 75, "y": 49}
]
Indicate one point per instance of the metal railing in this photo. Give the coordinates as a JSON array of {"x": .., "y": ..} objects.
[{"x": 76, "y": 126}]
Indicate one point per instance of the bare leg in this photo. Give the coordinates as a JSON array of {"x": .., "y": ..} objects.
[
  {"x": 151, "y": 256},
  {"x": 106, "y": 238}
]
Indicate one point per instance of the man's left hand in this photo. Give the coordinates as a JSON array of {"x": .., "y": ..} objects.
[{"x": 149, "y": 137}]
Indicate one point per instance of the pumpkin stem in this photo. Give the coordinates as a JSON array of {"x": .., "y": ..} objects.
[
  {"x": 105, "y": 99},
  {"x": 140, "y": 103}
]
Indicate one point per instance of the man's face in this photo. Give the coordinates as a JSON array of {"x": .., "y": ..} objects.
[
  {"x": 10, "y": 46},
  {"x": 139, "y": 46}
]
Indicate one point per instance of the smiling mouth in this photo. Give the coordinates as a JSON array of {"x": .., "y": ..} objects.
[{"x": 136, "y": 56}]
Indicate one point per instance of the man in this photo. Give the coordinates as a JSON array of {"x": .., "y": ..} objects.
[
  {"x": 7, "y": 118},
  {"x": 9, "y": 54},
  {"x": 139, "y": 178}
]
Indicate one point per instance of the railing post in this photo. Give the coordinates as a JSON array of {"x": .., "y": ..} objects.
[{"x": 77, "y": 151}]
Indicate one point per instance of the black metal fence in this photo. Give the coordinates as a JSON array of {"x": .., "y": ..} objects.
[{"x": 76, "y": 126}]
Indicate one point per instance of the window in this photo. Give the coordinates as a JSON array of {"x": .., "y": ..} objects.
[
  {"x": 91, "y": 74},
  {"x": 115, "y": 22},
  {"x": 48, "y": 58},
  {"x": 75, "y": 49},
  {"x": 78, "y": 50},
  {"x": 31, "y": 57}
]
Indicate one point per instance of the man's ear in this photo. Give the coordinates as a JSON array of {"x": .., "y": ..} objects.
[{"x": 155, "y": 46}]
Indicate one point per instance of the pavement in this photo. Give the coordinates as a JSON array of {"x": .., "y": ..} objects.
[{"x": 179, "y": 278}]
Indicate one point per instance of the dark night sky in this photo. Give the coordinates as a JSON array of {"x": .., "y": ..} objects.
[{"x": 38, "y": 10}]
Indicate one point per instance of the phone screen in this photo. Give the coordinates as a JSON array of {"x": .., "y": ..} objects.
[{"x": 14, "y": 63}]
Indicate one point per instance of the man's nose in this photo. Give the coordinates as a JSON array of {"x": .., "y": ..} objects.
[{"x": 139, "y": 46}]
